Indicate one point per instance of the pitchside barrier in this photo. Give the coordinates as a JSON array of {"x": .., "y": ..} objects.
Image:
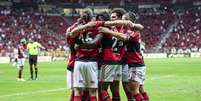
[{"x": 146, "y": 55}]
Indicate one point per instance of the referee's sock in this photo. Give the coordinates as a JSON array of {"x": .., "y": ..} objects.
[
  {"x": 36, "y": 73},
  {"x": 31, "y": 72}
]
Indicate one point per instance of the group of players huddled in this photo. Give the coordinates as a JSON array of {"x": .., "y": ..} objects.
[{"x": 104, "y": 51}]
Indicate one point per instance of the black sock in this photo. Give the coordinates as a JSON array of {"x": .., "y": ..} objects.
[
  {"x": 20, "y": 73},
  {"x": 36, "y": 72},
  {"x": 31, "y": 71}
]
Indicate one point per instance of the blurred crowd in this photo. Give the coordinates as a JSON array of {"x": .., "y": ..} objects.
[
  {"x": 187, "y": 34},
  {"x": 50, "y": 30}
]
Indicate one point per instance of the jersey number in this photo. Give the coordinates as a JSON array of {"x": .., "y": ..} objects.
[
  {"x": 117, "y": 44},
  {"x": 85, "y": 38}
]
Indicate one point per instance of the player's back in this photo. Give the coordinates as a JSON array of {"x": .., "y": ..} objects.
[
  {"x": 90, "y": 53},
  {"x": 113, "y": 48}
]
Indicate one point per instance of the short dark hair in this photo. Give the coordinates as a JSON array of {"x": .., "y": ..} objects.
[
  {"x": 103, "y": 16},
  {"x": 119, "y": 11},
  {"x": 132, "y": 16}
]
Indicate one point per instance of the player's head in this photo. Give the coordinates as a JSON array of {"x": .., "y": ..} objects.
[
  {"x": 117, "y": 13},
  {"x": 23, "y": 41},
  {"x": 103, "y": 16},
  {"x": 31, "y": 40},
  {"x": 86, "y": 15},
  {"x": 79, "y": 21},
  {"x": 129, "y": 16}
]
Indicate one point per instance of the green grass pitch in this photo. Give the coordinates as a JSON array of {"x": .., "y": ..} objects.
[{"x": 177, "y": 79}]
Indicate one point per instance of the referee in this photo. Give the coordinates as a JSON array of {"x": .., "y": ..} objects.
[{"x": 33, "y": 50}]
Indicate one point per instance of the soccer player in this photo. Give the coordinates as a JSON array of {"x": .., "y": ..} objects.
[
  {"x": 71, "y": 60},
  {"x": 21, "y": 59},
  {"x": 135, "y": 58},
  {"x": 33, "y": 50},
  {"x": 86, "y": 16},
  {"x": 85, "y": 66},
  {"x": 70, "y": 67},
  {"x": 111, "y": 70},
  {"x": 103, "y": 16},
  {"x": 131, "y": 16},
  {"x": 15, "y": 53}
]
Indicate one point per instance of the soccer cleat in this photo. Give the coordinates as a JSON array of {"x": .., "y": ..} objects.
[
  {"x": 20, "y": 79},
  {"x": 31, "y": 78},
  {"x": 36, "y": 79},
  {"x": 23, "y": 79}
]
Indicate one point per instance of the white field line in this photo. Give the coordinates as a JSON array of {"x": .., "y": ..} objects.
[
  {"x": 32, "y": 93},
  {"x": 160, "y": 77},
  {"x": 61, "y": 89}
]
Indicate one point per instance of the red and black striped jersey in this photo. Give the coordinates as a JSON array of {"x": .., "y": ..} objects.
[
  {"x": 88, "y": 54},
  {"x": 134, "y": 55},
  {"x": 113, "y": 48},
  {"x": 21, "y": 50}
]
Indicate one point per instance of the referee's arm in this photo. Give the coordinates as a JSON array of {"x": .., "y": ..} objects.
[{"x": 40, "y": 46}]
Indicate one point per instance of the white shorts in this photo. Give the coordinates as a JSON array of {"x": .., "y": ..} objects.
[
  {"x": 69, "y": 79},
  {"x": 110, "y": 73},
  {"x": 125, "y": 73},
  {"x": 85, "y": 75},
  {"x": 20, "y": 62},
  {"x": 137, "y": 74}
]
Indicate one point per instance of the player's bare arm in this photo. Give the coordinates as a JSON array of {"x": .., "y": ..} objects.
[
  {"x": 80, "y": 28},
  {"x": 118, "y": 35},
  {"x": 124, "y": 23},
  {"x": 68, "y": 31},
  {"x": 93, "y": 43}
]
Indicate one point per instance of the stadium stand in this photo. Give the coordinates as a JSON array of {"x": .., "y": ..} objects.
[
  {"x": 156, "y": 23},
  {"x": 50, "y": 29},
  {"x": 186, "y": 35}
]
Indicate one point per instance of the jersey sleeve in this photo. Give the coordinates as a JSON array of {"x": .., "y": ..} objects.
[
  {"x": 39, "y": 45},
  {"x": 99, "y": 23},
  {"x": 133, "y": 36}
]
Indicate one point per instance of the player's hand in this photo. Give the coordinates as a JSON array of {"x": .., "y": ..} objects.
[
  {"x": 91, "y": 24},
  {"x": 103, "y": 30},
  {"x": 130, "y": 24}
]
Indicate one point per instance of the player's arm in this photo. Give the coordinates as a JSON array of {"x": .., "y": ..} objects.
[
  {"x": 87, "y": 26},
  {"x": 27, "y": 47},
  {"x": 118, "y": 35},
  {"x": 68, "y": 31},
  {"x": 80, "y": 28},
  {"x": 93, "y": 43},
  {"x": 124, "y": 23}
]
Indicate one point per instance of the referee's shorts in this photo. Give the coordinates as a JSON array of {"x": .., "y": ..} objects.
[{"x": 33, "y": 59}]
